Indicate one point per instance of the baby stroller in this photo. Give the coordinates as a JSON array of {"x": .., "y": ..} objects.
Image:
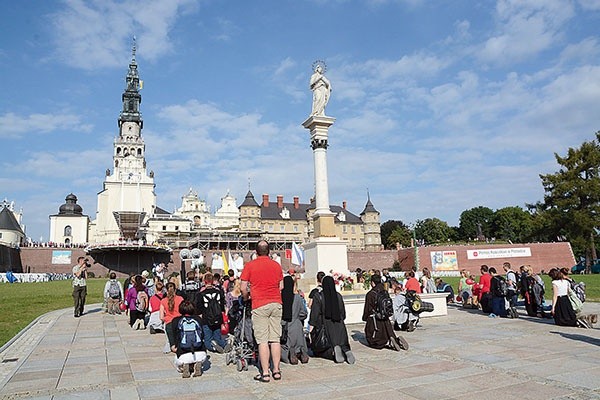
[
  {"x": 244, "y": 347},
  {"x": 407, "y": 310}
]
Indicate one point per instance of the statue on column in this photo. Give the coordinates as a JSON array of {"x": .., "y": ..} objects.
[{"x": 321, "y": 88}]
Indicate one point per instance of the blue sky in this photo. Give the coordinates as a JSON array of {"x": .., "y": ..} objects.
[{"x": 441, "y": 106}]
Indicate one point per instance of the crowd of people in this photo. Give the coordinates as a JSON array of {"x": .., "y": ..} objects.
[
  {"x": 498, "y": 294},
  {"x": 209, "y": 313},
  {"x": 264, "y": 311}
]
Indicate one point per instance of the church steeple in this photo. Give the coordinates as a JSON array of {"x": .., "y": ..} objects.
[{"x": 131, "y": 96}]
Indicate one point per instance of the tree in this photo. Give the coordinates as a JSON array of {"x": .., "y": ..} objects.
[
  {"x": 572, "y": 196},
  {"x": 470, "y": 219},
  {"x": 512, "y": 223},
  {"x": 402, "y": 235},
  {"x": 386, "y": 230},
  {"x": 433, "y": 230}
]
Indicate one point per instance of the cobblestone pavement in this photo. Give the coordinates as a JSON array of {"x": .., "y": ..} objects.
[{"x": 466, "y": 353}]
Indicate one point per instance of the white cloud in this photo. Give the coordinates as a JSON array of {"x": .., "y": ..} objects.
[
  {"x": 96, "y": 34},
  {"x": 593, "y": 5},
  {"x": 525, "y": 28},
  {"x": 15, "y": 126}
]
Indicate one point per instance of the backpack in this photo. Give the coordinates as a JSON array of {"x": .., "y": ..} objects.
[
  {"x": 579, "y": 289},
  {"x": 211, "y": 308},
  {"x": 141, "y": 301},
  {"x": 190, "y": 334},
  {"x": 501, "y": 287},
  {"x": 113, "y": 290},
  {"x": 384, "y": 307},
  {"x": 191, "y": 293}
]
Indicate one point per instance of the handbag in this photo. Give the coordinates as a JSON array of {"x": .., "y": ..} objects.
[
  {"x": 225, "y": 325},
  {"x": 284, "y": 334},
  {"x": 319, "y": 340},
  {"x": 575, "y": 302}
]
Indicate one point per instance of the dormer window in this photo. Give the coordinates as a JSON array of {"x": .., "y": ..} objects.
[
  {"x": 341, "y": 216},
  {"x": 285, "y": 213}
]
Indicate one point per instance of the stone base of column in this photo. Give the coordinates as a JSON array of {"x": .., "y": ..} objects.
[
  {"x": 325, "y": 254},
  {"x": 324, "y": 225}
]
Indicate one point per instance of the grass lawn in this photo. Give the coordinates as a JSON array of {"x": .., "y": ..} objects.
[{"x": 21, "y": 303}]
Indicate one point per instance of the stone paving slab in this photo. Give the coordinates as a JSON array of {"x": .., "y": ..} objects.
[{"x": 98, "y": 356}]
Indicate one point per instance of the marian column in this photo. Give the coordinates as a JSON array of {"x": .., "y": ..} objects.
[{"x": 326, "y": 252}]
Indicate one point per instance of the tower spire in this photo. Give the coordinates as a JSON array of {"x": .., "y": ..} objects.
[
  {"x": 131, "y": 96},
  {"x": 133, "y": 48}
]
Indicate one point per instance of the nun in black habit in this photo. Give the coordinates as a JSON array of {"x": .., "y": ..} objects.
[
  {"x": 293, "y": 344},
  {"x": 328, "y": 311}
]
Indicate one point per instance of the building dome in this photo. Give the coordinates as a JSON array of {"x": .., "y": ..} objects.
[{"x": 70, "y": 207}]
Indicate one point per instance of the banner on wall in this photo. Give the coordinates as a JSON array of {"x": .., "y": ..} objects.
[
  {"x": 444, "y": 261},
  {"x": 61, "y": 256},
  {"x": 481, "y": 254}
]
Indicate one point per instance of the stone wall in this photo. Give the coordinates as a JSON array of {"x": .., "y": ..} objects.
[
  {"x": 39, "y": 260},
  {"x": 544, "y": 256}
]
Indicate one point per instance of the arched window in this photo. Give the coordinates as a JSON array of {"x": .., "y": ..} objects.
[
  {"x": 139, "y": 152},
  {"x": 68, "y": 230},
  {"x": 118, "y": 150},
  {"x": 67, "y": 241}
]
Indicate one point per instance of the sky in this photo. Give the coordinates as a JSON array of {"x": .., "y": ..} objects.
[{"x": 440, "y": 106}]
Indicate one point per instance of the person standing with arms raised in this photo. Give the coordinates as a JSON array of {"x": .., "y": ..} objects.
[{"x": 266, "y": 281}]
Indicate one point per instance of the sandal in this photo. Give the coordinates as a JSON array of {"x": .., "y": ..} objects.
[
  {"x": 277, "y": 375},
  {"x": 265, "y": 378}
]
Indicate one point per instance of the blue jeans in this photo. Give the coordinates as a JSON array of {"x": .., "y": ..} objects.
[{"x": 212, "y": 333}]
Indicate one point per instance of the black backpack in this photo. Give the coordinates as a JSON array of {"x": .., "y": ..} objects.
[
  {"x": 211, "y": 307},
  {"x": 191, "y": 293},
  {"x": 384, "y": 307},
  {"x": 501, "y": 287}
]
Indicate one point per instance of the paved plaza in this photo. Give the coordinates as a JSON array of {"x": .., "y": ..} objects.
[{"x": 462, "y": 355}]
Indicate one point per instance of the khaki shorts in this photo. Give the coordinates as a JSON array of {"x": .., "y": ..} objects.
[{"x": 266, "y": 322}]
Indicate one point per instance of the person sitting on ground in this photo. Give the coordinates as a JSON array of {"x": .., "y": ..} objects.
[
  {"x": 154, "y": 322},
  {"x": 498, "y": 290},
  {"x": 485, "y": 298},
  {"x": 318, "y": 289},
  {"x": 427, "y": 283},
  {"x": 465, "y": 290},
  {"x": 113, "y": 294},
  {"x": 411, "y": 282},
  {"x": 137, "y": 303},
  {"x": 191, "y": 290},
  {"x": 443, "y": 287},
  {"x": 378, "y": 328},
  {"x": 512, "y": 284},
  {"x": 169, "y": 310},
  {"x": 212, "y": 307},
  {"x": 293, "y": 342},
  {"x": 148, "y": 282},
  {"x": 562, "y": 311},
  {"x": 328, "y": 313},
  {"x": 189, "y": 343},
  {"x": 229, "y": 282}
]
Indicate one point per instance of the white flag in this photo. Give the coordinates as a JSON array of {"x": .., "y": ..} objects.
[{"x": 297, "y": 255}]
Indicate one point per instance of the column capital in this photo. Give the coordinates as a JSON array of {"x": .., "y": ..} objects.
[{"x": 318, "y": 121}]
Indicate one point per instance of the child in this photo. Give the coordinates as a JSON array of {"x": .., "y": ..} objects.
[{"x": 189, "y": 341}]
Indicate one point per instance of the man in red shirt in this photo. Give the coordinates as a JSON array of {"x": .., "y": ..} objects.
[{"x": 266, "y": 281}]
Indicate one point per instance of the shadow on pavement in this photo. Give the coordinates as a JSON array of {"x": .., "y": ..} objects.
[{"x": 578, "y": 337}]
